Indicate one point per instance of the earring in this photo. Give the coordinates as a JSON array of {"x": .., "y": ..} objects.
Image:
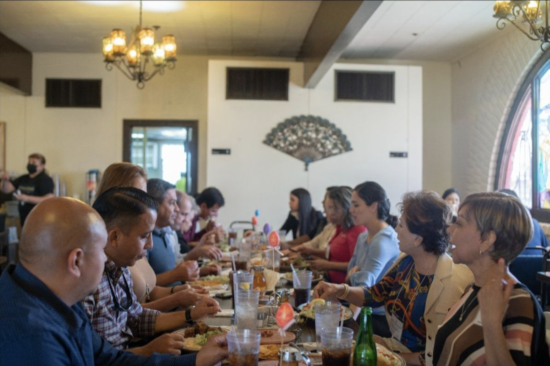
[{"x": 481, "y": 252}]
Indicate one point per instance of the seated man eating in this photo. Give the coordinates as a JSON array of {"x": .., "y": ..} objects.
[
  {"x": 130, "y": 215},
  {"x": 42, "y": 321}
]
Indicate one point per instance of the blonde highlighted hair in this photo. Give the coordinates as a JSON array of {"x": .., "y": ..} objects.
[
  {"x": 506, "y": 216},
  {"x": 118, "y": 175}
]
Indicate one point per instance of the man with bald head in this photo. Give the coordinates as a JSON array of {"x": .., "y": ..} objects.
[{"x": 42, "y": 321}]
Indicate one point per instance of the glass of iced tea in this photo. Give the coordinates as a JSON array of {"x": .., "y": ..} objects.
[
  {"x": 244, "y": 347},
  {"x": 336, "y": 346},
  {"x": 302, "y": 287}
]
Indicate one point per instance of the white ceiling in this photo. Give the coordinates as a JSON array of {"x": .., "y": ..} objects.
[
  {"x": 425, "y": 30},
  {"x": 445, "y": 29},
  {"x": 244, "y": 28}
]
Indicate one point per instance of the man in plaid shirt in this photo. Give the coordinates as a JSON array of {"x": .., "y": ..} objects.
[
  {"x": 42, "y": 321},
  {"x": 130, "y": 216}
]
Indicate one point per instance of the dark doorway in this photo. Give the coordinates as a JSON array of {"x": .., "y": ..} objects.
[{"x": 166, "y": 149}]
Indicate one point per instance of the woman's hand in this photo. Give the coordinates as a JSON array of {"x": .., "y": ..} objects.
[
  {"x": 302, "y": 249},
  {"x": 329, "y": 291},
  {"x": 494, "y": 295},
  {"x": 319, "y": 264}
]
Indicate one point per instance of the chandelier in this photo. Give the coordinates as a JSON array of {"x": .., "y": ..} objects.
[
  {"x": 527, "y": 16},
  {"x": 132, "y": 59}
]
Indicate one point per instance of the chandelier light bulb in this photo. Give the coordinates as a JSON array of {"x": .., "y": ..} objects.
[
  {"x": 108, "y": 50},
  {"x": 133, "y": 56},
  {"x": 146, "y": 40},
  {"x": 118, "y": 39},
  {"x": 158, "y": 55},
  {"x": 169, "y": 45}
]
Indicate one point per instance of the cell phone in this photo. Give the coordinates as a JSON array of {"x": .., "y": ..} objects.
[{"x": 224, "y": 295}]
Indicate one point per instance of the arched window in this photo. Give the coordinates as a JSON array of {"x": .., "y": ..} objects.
[{"x": 524, "y": 157}]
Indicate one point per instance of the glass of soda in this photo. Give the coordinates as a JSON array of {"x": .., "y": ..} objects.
[
  {"x": 244, "y": 347},
  {"x": 327, "y": 316},
  {"x": 336, "y": 346},
  {"x": 302, "y": 287}
]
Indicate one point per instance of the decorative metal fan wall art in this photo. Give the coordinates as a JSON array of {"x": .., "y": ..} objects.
[{"x": 308, "y": 138}]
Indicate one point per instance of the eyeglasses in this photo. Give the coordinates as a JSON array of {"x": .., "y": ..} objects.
[{"x": 129, "y": 301}]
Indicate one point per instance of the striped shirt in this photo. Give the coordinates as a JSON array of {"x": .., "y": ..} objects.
[
  {"x": 113, "y": 323},
  {"x": 459, "y": 340}
]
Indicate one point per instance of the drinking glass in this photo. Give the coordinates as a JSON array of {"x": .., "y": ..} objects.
[
  {"x": 246, "y": 312},
  {"x": 302, "y": 287},
  {"x": 241, "y": 281},
  {"x": 336, "y": 346},
  {"x": 244, "y": 347},
  {"x": 272, "y": 260},
  {"x": 326, "y": 316}
]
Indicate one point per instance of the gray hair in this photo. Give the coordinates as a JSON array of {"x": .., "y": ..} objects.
[
  {"x": 506, "y": 216},
  {"x": 196, "y": 209}
]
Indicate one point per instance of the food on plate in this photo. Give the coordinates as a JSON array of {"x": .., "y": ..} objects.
[
  {"x": 196, "y": 336},
  {"x": 211, "y": 281},
  {"x": 299, "y": 261},
  {"x": 308, "y": 310},
  {"x": 225, "y": 248},
  {"x": 267, "y": 333},
  {"x": 385, "y": 357},
  {"x": 269, "y": 351},
  {"x": 315, "y": 276}
]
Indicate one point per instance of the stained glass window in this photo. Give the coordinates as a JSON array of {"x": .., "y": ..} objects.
[{"x": 524, "y": 160}]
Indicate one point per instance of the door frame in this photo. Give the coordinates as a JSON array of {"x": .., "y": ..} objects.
[{"x": 193, "y": 145}]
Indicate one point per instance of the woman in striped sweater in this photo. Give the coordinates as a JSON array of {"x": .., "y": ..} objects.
[{"x": 497, "y": 321}]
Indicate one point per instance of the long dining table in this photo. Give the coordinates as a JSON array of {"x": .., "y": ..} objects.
[{"x": 304, "y": 329}]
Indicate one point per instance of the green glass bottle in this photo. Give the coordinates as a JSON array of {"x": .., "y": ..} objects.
[{"x": 365, "y": 348}]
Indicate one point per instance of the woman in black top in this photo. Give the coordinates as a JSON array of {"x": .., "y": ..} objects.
[{"x": 303, "y": 219}]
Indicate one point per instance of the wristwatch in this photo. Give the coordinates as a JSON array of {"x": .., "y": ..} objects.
[{"x": 188, "y": 317}]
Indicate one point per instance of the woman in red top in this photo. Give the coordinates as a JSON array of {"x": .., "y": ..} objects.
[{"x": 342, "y": 244}]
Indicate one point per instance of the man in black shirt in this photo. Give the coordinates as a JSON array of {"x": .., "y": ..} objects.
[{"x": 29, "y": 189}]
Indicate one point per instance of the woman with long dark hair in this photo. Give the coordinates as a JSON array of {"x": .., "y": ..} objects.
[{"x": 303, "y": 219}]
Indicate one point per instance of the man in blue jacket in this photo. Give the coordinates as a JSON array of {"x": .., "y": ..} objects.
[{"x": 42, "y": 321}]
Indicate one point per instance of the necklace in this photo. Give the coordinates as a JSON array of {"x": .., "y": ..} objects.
[
  {"x": 465, "y": 308},
  {"x": 417, "y": 288}
]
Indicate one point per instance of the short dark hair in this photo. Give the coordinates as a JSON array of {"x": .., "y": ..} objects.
[
  {"x": 157, "y": 188},
  {"x": 38, "y": 156},
  {"x": 211, "y": 196},
  {"x": 428, "y": 215},
  {"x": 450, "y": 191},
  {"x": 121, "y": 206}
]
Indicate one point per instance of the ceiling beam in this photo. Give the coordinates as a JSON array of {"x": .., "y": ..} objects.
[{"x": 332, "y": 30}]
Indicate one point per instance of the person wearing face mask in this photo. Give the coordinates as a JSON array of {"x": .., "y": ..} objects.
[
  {"x": 29, "y": 189},
  {"x": 452, "y": 197}
]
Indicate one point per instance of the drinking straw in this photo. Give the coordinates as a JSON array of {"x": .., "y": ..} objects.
[
  {"x": 233, "y": 260},
  {"x": 342, "y": 318},
  {"x": 296, "y": 279},
  {"x": 235, "y": 333}
]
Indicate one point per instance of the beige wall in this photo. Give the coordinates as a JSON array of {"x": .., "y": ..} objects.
[
  {"x": 257, "y": 176},
  {"x": 436, "y": 107},
  {"x": 75, "y": 140},
  {"x": 484, "y": 84}
]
